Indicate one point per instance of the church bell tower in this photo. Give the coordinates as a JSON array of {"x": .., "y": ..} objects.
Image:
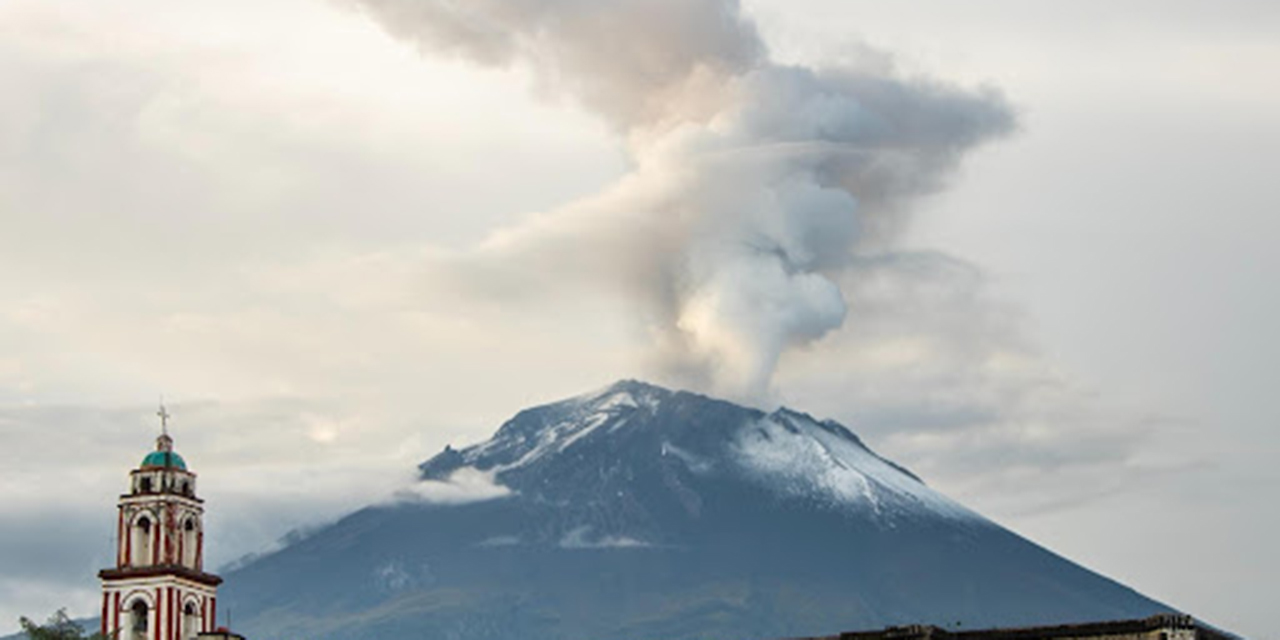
[{"x": 158, "y": 589}]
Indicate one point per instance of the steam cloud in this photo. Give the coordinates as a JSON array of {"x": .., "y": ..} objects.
[{"x": 755, "y": 186}]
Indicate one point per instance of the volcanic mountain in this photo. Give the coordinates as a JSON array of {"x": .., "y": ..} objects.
[{"x": 637, "y": 512}]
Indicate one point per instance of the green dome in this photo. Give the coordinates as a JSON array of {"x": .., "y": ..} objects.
[{"x": 167, "y": 459}]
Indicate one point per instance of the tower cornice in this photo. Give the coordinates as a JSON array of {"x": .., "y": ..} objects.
[
  {"x": 148, "y": 498},
  {"x": 161, "y": 571},
  {"x": 173, "y": 470}
]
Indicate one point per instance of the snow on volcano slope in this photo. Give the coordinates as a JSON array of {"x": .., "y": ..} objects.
[
  {"x": 795, "y": 453},
  {"x": 785, "y": 451}
]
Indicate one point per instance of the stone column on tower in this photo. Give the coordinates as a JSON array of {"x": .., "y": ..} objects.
[{"x": 158, "y": 589}]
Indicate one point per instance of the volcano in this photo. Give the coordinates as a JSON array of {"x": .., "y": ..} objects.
[{"x": 637, "y": 512}]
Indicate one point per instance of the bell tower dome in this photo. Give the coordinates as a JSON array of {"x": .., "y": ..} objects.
[{"x": 158, "y": 589}]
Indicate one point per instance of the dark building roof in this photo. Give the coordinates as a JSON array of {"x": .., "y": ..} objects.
[
  {"x": 221, "y": 634},
  {"x": 1150, "y": 625}
]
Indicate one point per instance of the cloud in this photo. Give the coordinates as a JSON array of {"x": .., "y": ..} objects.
[
  {"x": 755, "y": 184},
  {"x": 467, "y": 484},
  {"x": 941, "y": 374}
]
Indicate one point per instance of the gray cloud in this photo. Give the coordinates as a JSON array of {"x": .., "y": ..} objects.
[
  {"x": 940, "y": 374},
  {"x": 755, "y": 184},
  {"x": 462, "y": 486},
  {"x": 764, "y": 220},
  {"x": 55, "y": 545},
  {"x": 626, "y": 60}
]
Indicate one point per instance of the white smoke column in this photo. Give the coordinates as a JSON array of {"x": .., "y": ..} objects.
[{"x": 755, "y": 186}]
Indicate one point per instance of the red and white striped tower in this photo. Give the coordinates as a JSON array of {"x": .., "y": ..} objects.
[{"x": 158, "y": 589}]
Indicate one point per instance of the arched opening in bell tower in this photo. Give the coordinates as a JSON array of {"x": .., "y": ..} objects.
[
  {"x": 140, "y": 542},
  {"x": 139, "y": 620},
  {"x": 190, "y": 544},
  {"x": 190, "y": 620}
]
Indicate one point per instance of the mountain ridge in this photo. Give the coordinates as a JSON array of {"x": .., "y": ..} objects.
[
  {"x": 636, "y": 512},
  {"x": 555, "y": 428}
]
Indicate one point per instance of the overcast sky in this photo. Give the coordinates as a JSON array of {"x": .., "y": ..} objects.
[{"x": 336, "y": 245}]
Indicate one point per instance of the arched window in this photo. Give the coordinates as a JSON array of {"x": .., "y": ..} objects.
[
  {"x": 190, "y": 620},
  {"x": 139, "y": 619},
  {"x": 190, "y": 543},
  {"x": 141, "y": 542},
  {"x": 144, "y": 485}
]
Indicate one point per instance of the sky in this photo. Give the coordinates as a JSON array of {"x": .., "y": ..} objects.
[{"x": 337, "y": 236}]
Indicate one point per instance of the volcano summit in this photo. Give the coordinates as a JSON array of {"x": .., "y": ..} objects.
[{"x": 639, "y": 512}]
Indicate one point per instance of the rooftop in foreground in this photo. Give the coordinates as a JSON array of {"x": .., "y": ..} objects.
[{"x": 1160, "y": 627}]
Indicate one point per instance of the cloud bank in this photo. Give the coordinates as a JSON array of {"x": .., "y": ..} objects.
[
  {"x": 755, "y": 186},
  {"x": 465, "y": 485}
]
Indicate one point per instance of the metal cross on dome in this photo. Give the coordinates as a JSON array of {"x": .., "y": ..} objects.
[{"x": 164, "y": 419}]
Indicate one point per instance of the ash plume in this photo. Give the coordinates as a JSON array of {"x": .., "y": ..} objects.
[{"x": 756, "y": 187}]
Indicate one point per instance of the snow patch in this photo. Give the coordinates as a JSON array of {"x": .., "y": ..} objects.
[
  {"x": 499, "y": 541},
  {"x": 566, "y": 424},
  {"x": 623, "y": 394},
  {"x": 394, "y": 576},
  {"x": 793, "y": 452},
  {"x": 563, "y": 434},
  {"x": 618, "y": 400},
  {"x": 592, "y": 423},
  {"x": 579, "y": 538},
  {"x": 694, "y": 462}
]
